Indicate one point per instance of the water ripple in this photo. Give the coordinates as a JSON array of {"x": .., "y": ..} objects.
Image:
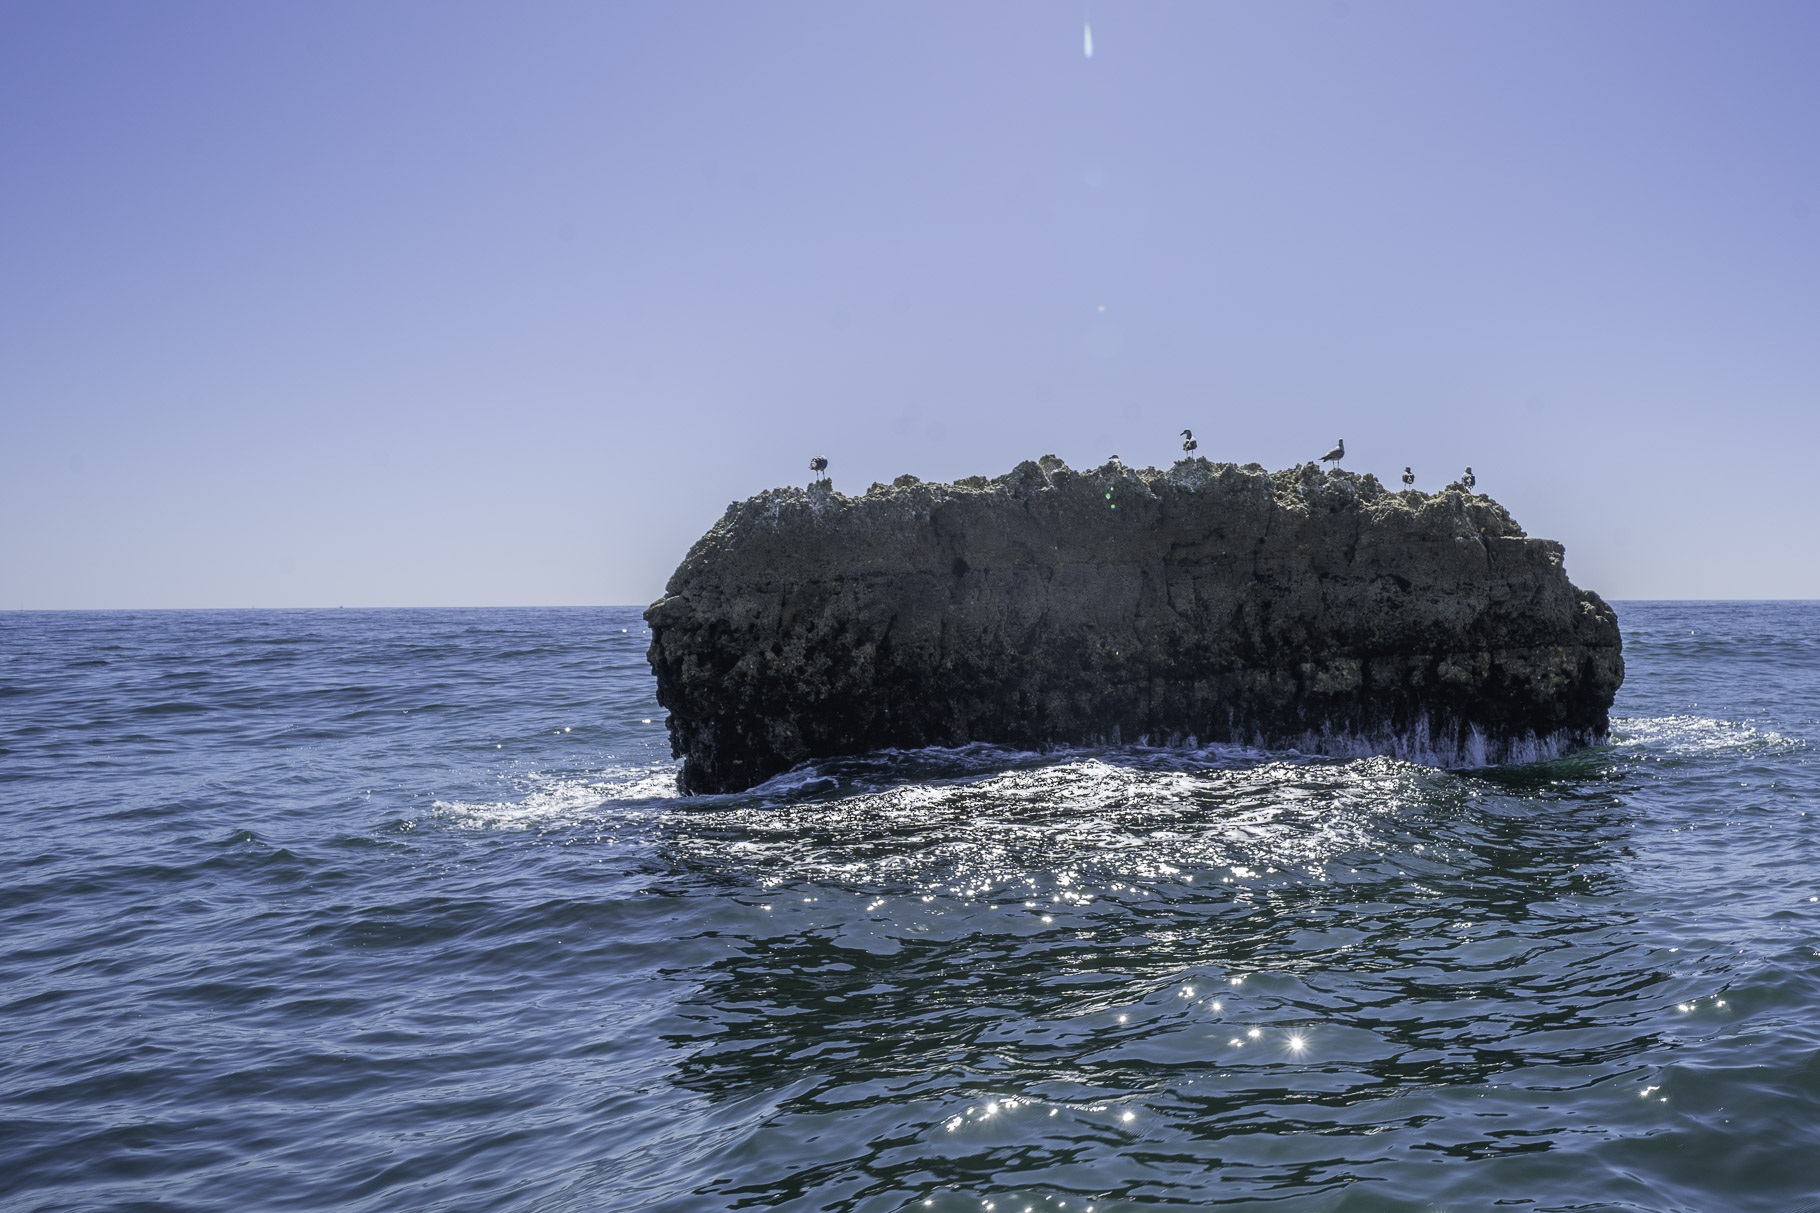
[{"x": 381, "y": 910}]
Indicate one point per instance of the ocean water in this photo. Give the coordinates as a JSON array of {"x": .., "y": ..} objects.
[{"x": 396, "y": 910}]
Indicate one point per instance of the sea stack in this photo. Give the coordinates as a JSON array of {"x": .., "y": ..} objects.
[{"x": 1303, "y": 609}]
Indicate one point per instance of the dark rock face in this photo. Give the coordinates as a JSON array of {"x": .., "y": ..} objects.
[{"x": 1205, "y": 603}]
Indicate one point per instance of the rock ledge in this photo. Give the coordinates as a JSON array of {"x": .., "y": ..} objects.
[{"x": 1206, "y": 603}]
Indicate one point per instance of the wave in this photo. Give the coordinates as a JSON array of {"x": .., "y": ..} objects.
[
  {"x": 988, "y": 818},
  {"x": 1696, "y": 736},
  {"x": 550, "y": 801}
]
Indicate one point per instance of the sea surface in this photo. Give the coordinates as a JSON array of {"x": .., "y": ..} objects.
[{"x": 397, "y": 910}]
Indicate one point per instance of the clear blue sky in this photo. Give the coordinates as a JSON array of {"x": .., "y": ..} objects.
[{"x": 441, "y": 303}]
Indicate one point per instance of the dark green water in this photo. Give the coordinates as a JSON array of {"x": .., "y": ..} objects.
[{"x": 394, "y": 910}]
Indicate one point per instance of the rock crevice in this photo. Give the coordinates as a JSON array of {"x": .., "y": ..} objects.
[{"x": 1203, "y": 603}]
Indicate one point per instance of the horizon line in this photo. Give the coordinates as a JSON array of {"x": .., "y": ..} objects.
[{"x": 608, "y": 606}]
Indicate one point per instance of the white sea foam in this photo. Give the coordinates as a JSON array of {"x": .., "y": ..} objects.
[
  {"x": 1454, "y": 749},
  {"x": 1110, "y": 816},
  {"x": 548, "y": 801},
  {"x": 1686, "y": 736}
]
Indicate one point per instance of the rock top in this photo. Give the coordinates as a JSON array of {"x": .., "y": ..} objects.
[{"x": 1305, "y": 609}]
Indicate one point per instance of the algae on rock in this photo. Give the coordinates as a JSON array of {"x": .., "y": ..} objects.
[{"x": 1204, "y": 603}]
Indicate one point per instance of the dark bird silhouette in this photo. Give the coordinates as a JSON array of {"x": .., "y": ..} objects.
[
  {"x": 1189, "y": 445},
  {"x": 1336, "y": 454},
  {"x": 1469, "y": 480},
  {"x": 1409, "y": 477},
  {"x": 819, "y": 465}
]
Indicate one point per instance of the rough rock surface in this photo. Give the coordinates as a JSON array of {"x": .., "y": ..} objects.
[{"x": 1206, "y": 603}]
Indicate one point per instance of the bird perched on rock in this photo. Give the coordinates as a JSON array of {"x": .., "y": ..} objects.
[
  {"x": 819, "y": 465},
  {"x": 1409, "y": 477},
  {"x": 1469, "y": 480},
  {"x": 1336, "y": 454},
  {"x": 1188, "y": 442}
]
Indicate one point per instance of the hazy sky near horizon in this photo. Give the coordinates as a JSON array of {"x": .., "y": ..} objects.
[{"x": 455, "y": 304}]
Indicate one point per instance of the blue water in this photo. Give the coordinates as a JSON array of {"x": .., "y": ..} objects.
[{"x": 396, "y": 910}]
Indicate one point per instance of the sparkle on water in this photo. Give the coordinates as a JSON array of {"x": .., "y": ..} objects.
[{"x": 379, "y": 910}]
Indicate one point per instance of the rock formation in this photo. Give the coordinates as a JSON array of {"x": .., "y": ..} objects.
[{"x": 1206, "y": 603}]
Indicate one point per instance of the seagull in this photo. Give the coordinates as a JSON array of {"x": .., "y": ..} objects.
[
  {"x": 1469, "y": 479},
  {"x": 1188, "y": 442},
  {"x": 819, "y": 465},
  {"x": 1336, "y": 454},
  {"x": 1409, "y": 477}
]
